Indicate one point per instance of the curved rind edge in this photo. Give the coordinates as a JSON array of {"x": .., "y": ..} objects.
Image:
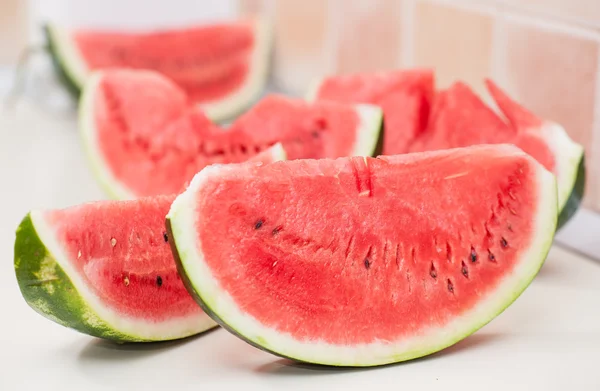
[
  {"x": 65, "y": 64},
  {"x": 569, "y": 157},
  {"x": 233, "y": 104},
  {"x": 49, "y": 290},
  {"x": 52, "y": 289},
  {"x": 571, "y": 206},
  {"x": 87, "y": 130},
  {"x": 369, "y": 133},
  {"x": 220, "y": 306}
]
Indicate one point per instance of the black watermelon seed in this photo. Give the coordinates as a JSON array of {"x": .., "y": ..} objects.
[
  {"x": 464, "y": 270},
  {"x": 491, "y": 256},
  {"x": 432, "y": 271},
  {"x": 165, "y": 237},
  {"x": 276, "y": 230},
  {"x": 159, "y": 280},
  {"x": 473, "y": 255},
  {"x": 258, "y": 224},
  {"x": 503, "y": 243},
  {"x": 450, "y": 286},
  {"x": 367, "y": 263}
]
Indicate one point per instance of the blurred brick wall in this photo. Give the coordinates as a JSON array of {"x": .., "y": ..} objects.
[{"x": 544, "y": 52}]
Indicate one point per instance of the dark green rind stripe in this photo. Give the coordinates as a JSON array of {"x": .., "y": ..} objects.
[
  {"x": 60, "y": 66},
  {"x": 379, "y": 146},
  {"x": 205, "y": 307},
  {"x": 574, "y": 200},
  {"x": 49, "y": 291}
]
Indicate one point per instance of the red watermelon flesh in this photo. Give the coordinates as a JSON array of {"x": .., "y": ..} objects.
[
  {"x": 404, "y": 96},
  {"x": 221, "y": 66},
  {"x": 122, "y": 252},
  {"x": 105, "y": 268},
  {"x": 460, "y": 118},
  {"x": 374, "y": 269},
  {"x": 146, "y": 138}
]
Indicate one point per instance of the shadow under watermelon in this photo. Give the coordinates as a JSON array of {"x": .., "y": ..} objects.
[{"x": 287, "y": 367}]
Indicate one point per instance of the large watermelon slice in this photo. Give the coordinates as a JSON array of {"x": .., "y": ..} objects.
[
  {"x": 106, "y": 269},
  {"x": 223, "y": 66},
  {"x": 144, "y": 138},
  {"x": 362, "y": 261},
  {"x": 416, "y": 119}
]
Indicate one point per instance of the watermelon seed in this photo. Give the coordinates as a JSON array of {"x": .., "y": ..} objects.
[
  {"x": 448, "y": 252},
  {"x": 113, "y": 242},
  {"x": 258, "y": 224},
  {"x": 510, "y": 228},
  {"x": 450, "y": 286},
  {"x": 512, "y": 211},
  {"x": 432, "y": 271},
  {"x": 503, "y": 243},
  {"x": 473, "y": 255},
  {"x": 126, "y": 280},
  {"x": 165, "y": 237},
  {"x": 367, "y": 263},
  {"x": 159, "y": 280},
  {"x": 276, "y": 230},
  {"x": 491, "y": 256},
  {"x": 464, "y": 270},
  {"x": 78, "y": 254}
]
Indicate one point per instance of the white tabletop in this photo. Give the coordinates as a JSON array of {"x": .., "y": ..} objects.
[{"x": 548, "y": 340}]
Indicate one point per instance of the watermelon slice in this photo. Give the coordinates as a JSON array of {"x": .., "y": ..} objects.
[
  {"x": 362, "y": 261},
  {"x": 143, "y": 138},
  {"x": 416, "y": 120},
  {"x": 106, "y": 269},
  {"x": 222, "y": 67}
]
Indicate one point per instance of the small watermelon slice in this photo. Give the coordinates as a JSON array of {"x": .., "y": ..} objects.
[
  {"x": 105, "y": 269},
  {"x": 363, "y": 261},
  {"x": 223, "y": 66},
  {"x": 417, "y": 119},
  {"x": 405, "y": 96},
  {"x": 144, "y": 138}
]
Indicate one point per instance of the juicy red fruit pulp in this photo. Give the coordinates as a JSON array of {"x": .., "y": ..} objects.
[
  {"x": 154, "y": 141},
  {"x": 379, "y": 256},
  {"x": 121, "y": 250},
  {"x": 208, "y": 62}
]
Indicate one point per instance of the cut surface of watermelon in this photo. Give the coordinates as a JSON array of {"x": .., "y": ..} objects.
[
  {"x": 363, "y": 261},
  {"x": 222, "y": 67},
  {"x": 143, "y": 138},
  {"x": 417, "y": 119},
  {"x": 106, "y": 269}
]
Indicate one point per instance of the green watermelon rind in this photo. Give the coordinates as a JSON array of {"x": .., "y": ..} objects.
[
  {"x": 569, "y": 169},
  {"x": 87, "y": 129},
  {"x": 369, "y": 134},
  {"x": 67, "y": 61},
  {"x": 73, "y": 71},
  {"x": 51, "y": 288},
  {"x": 222, "y": 308}
]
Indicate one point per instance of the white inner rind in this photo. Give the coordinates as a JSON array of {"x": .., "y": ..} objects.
[
  {"x": 369, "y": 128},
  {"x": 68, "y": 54},
  {"x": 567, "y": 155},
  {"x": 252, "y": 86},
  {"x": 183, "y": 217},
  {"x": 89, "y": 135},
  {"x": 138, "y": 328}
]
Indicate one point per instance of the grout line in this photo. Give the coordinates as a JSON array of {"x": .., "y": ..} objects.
[{"x": 407, "y": 40}]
